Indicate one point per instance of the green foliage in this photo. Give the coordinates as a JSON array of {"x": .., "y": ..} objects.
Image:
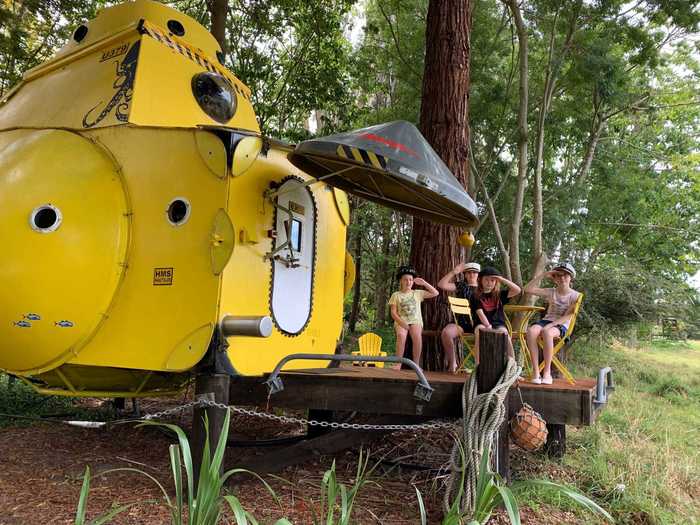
[
  {"x": 18, "y": 398},
  {"x": 201, "y": 507},
  {"x": 640, "y": 459},
  {"x": 32, "y": 30},
  {"x": 337, "y": 500},
  {"x": 294, "y": 56},
  {"x": 492, "y": 493}
]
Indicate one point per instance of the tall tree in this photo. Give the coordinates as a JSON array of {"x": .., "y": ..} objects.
[
  {"x": 444, "y": 123},
  {"x": 218, "y": 9}
]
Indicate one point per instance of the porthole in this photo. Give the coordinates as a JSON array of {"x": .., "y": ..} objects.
[
  {"x": 176, "y": 28},
  {"x": 215, "y": 95},
  {"x": 80, "y": 33},
  {"x": 178, "y": 211},
  {"x": 45, "y": 219}
]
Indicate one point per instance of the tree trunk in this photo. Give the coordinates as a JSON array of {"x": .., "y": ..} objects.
[
  {"x": 355, "y": 310},
  {"x": 444, "y": 123},
  {"x": 218, "y": 9},
  {"x": 514, "y": 244},
  {"x": 382, "y": 274}
]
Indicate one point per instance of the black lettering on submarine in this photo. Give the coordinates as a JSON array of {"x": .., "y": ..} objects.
[
  {"x": 114, "y": 52},
  {"x": 23, "y": 324},
  {"x": 163, "y": 276},
  {"x": 124, "y": 84},
  {"x": 64, "y": 324},
  {"x": 32, "y": 317}
]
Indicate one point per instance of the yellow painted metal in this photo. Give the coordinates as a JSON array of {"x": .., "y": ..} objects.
[
  {"x": 223, "y": 239},
  {"x": 152, "y": 315},
  {"x": 111, "y": 19},
  {"x": 124, "y": 71},
  {"x": 122, "y": 298},
  {"x": 349, "y": 274},
  {"x": 163, "y": 92},
  {"x": 213, "y": 153},
  {"x": 342, "y": 205},
  {"x": 56, "y": 287},
  {"x": 247, "y": 151},
  {"x": 62, "y": 98},
  {"x": 189, "y": 350},
  {"x": 247, "y": 277}
]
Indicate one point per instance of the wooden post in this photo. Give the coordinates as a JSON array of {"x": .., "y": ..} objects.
[
  {"x": 214, "y": 387},
  {"x": 493, "y": 352},
  {"x": 555, "y": 446}
]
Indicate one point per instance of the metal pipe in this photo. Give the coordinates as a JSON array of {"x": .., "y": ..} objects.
[
  {"x": 605, "y": 383},
  {"x": 250, "y": 326},
  {"x": 422, "y": 392}
]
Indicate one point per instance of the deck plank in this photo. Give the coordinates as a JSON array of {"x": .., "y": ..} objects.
[{"x": 387, "y": 391}]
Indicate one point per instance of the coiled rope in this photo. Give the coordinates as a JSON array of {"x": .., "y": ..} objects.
[{"x": 483, "y": 414}]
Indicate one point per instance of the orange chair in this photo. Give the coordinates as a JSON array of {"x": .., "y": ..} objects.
[{"x": 370, "y": 345}]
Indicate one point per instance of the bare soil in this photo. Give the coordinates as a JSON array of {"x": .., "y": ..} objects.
[{"x": 42, "y": 465}]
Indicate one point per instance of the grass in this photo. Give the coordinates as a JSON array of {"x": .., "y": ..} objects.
[{"x": 641, "y": 460}]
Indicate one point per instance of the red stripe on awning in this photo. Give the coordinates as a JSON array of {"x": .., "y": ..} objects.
[{"x": 390, "y": 143}]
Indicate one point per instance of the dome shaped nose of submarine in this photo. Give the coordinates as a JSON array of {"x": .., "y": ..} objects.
[{"x": 64, "y": 223}]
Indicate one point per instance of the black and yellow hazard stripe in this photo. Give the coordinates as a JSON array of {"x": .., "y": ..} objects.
[
  {"x": 161, "y": 35},
  {"x": 364, "y": 157}
]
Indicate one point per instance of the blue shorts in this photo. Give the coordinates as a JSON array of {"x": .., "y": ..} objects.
[{"x": 562, "y": 328}]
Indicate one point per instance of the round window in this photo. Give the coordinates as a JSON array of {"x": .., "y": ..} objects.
[
  {"x": 215, "y": 95},
  {"x": 45, "y": 219},
  {"x": 176, "y": 28},
  {"x": 178, "y": 211}
]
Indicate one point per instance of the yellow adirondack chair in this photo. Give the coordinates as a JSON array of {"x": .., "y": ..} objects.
[
  {"x": 370, "y": 345},
  {"x": 562, "y": 342},
  {"x": 460, "y": 306}
]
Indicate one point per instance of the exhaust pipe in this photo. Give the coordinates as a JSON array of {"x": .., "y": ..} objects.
[{"x": 250, "y": 326}]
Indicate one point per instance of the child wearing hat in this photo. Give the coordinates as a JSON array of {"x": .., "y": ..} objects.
[
  {"x": 488, "y": 303},
  {"x": 561, "y": 303},
  {"x": 465, "y": 290},
  {"x": 405, "y": 310}
]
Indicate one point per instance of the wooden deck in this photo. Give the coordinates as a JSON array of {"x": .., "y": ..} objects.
[{"x": 386, "y": 391}]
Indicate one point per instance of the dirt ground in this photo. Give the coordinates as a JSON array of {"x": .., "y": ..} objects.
[{"x": 42, "y": 464}]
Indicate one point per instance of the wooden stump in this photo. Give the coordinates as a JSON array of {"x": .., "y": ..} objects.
[
  {"x": 214, "y": 387},
  {"x": 493, "y": 353}
]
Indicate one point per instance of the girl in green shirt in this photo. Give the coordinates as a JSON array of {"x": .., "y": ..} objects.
[{"x": 405, "y": 310}]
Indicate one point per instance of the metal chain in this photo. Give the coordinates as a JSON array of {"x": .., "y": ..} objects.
[
  {"x": 175, "y": 410},
  {"x": 437, "y": 424}
]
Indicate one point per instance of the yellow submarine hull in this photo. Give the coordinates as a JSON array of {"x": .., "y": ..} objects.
[{"x": 159, "y": 227}]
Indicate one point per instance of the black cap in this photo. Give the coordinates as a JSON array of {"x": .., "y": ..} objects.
[
  {"x": 489, "y": 271},
  {"x": 405, "y": 270}
]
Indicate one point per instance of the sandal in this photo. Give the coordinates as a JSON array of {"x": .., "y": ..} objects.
[
  {"x": 536, "y": 381},
  {"x": 547, "y": 380}
]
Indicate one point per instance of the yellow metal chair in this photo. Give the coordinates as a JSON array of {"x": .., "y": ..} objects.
[
  {"x": 370, "y": 345},
  {"x": 460, "y": 306},
  {"x": 560, "y": 343}
]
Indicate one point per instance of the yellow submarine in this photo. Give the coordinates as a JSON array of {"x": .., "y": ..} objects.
[{"x": 151, "y": 231}]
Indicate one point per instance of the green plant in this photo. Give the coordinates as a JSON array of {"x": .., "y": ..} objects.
[
  {"x": 82, "y": 505},
  {"x": 331, "y": 490},
  {"x": 492, "y": 492},
  {"x": 200, "y": 507}
]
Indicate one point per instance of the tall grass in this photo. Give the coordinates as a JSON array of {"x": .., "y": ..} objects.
[{"x": 641, "y": 458}]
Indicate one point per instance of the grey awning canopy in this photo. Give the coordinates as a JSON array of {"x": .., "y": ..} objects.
[{"x": 391, "y": 164}]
